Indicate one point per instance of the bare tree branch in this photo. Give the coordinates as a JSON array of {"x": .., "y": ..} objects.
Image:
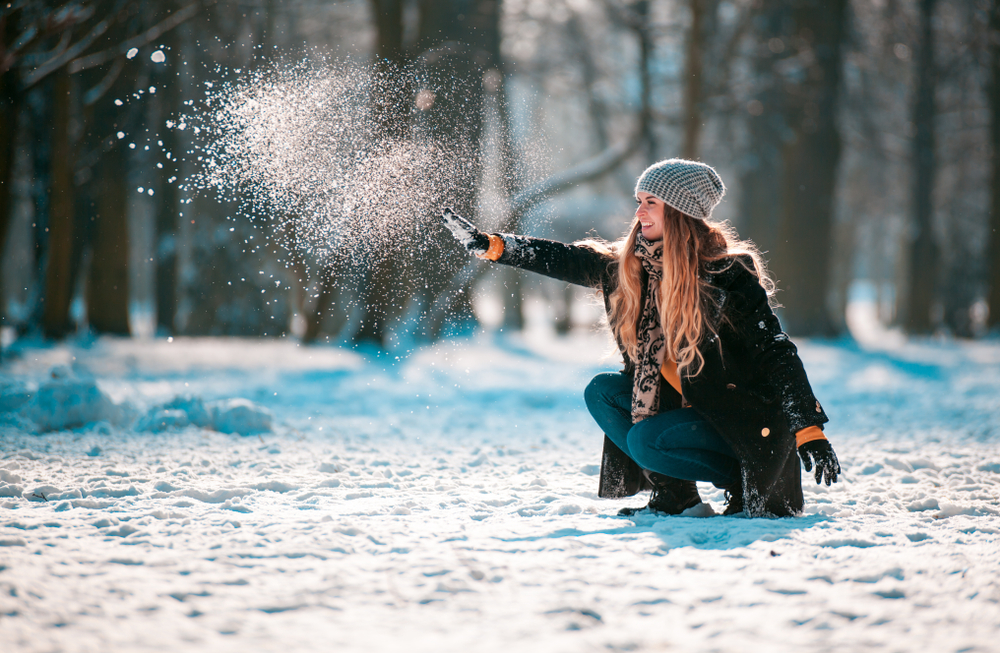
[
  {"x": 147, "y": 37},
  {"x": 73, "y": 51},
  {"x": 37, "y": 58},
  {"x": 11, "y": 7},
  {"x": 98, "y": 91},
  {"x": 581, "y": 173},
  {"x": 60, "y": 20},
  {"x": 25, "y": 38}
]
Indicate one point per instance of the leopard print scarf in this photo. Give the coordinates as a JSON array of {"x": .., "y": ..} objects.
[{"x": 649, "y": 333}]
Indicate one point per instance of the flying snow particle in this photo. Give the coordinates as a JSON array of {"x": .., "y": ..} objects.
[
  {"x": 158, "y": 57},
  {"x": 120, "y": 135},
  {"x": 141, "y": 189},
  {"x": 118, "y": 103},
  {"x": 131, "y": 53},
  {"x": 425, "y": 99}
]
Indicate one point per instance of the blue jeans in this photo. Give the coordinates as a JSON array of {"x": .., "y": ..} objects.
[{"x": 678, "y": 443}]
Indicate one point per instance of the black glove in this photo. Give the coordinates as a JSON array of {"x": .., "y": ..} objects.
[
  {"x": 465, "y": 232},
  {"x": 821, "y": 453}
]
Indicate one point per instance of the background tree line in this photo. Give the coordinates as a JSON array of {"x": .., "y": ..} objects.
[{"x": 858, "y": 139}]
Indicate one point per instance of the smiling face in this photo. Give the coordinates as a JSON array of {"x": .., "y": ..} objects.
[{"x": 650, "y": 212}]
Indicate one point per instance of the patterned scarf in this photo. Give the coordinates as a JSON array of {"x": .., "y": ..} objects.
[{"x": 649, "y": 333}]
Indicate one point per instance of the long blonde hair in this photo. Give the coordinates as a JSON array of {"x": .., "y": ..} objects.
[{"x": 686, "y": 299}]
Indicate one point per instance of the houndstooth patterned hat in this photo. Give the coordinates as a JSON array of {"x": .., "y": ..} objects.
[{"x": 690, "y": 187}]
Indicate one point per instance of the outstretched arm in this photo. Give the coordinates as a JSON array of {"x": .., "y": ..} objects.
[
  {"x": 475, "y": 241},
  {"x": 575, "y": 264}
]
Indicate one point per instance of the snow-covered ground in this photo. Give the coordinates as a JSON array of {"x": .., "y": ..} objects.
[{"x": 446, "y": 501}]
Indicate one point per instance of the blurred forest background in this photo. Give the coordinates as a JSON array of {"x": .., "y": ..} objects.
[{"x": 859, "y": 140}]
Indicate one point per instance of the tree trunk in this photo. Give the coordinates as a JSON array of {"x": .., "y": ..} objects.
[
  {"x": 470, "y": 32},
  {"x": 39, "y": 101},
  {"x": 62, "y": 237},
  {"x": 649, "y": 141},
  {"x": 563, "y": 309},
  {"x": 511, "y": 179},
  {"x": 329, "y": 293},
  {"x": 994, "y": 101},
  {"x": 811, "y": 159},
  {"x": 379, "y": 302},
  {"x": 391, "y": 99},
  {"x": 513, "y": 299},
  {"x": 168, "y": 207},
  {"x": 583, "y": 53},
  {"x": 762, "y": 166},
  {"x": 923, "y": 254},
  {"x": 107, "y": 304},
  {"x": 10, "y": 108},
  {"x": 693, "y": 80},
  {"x": 585, "y": 171},
  {"x": 270, "y": 36},
  {"x": 390, "y": 103},
  {"x": 391, "y": 95}
]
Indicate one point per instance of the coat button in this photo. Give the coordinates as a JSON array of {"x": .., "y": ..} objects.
[
  {"x": 818, "y": 409},
  {"x": 730, "y": 386},
  {"x": 765, "y": 432}
]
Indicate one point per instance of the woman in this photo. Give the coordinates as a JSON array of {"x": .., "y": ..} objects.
[{"x": 712, "y": 389}]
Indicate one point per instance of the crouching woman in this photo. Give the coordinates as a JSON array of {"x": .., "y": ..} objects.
[{"x": 712, "y": 389}]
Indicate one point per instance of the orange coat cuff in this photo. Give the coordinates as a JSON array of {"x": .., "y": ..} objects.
[
  {"x": 496, "y": 248},
  {"x": 809, "y": 434}
]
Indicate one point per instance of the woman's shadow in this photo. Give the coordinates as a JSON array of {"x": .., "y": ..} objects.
[{"x": 718, "y": 532}]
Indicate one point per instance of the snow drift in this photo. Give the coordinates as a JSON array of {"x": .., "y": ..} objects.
[{"x": 64, "y": 401}]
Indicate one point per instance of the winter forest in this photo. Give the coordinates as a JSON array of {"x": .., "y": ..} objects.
[{"x": 255, "y": 396}]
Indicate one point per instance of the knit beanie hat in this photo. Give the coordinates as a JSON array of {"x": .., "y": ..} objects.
[{"x": 691, "y": 187}]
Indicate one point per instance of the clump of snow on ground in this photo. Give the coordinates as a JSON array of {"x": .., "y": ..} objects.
[
  {"x": 226, "y": 416},
  {"x": 66, "y": 402},
  {"x": 446, "y": 501}
]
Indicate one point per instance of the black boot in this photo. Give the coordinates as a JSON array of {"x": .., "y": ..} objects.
[
  {"x": 671, "y": 496},
  {"x": 734, "y": 499}
]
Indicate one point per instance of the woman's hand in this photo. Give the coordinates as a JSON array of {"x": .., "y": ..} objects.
[
  {"x": 820, "y": 453},
  {"x": 465, "y": 232}
]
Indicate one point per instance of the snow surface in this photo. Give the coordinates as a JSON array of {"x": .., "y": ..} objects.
[{"x": 446, "y": 501}]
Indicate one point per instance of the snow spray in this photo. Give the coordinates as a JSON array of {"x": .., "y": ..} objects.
[{"x": 299, "y": 148}]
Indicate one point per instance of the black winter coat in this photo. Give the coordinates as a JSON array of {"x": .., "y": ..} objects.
[{"x": 754, "y": 391}]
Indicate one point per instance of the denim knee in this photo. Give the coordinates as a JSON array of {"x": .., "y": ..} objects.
[
  {"x": 641, "y": 444},
  {"x": 598, "y": 390}
]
